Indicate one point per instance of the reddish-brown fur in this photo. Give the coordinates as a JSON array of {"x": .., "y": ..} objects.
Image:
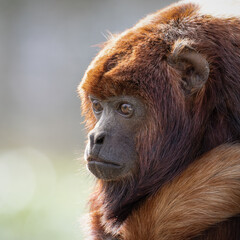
[
  {"x": 206, "y": 193},
  {"x": 179, "y": 127}
]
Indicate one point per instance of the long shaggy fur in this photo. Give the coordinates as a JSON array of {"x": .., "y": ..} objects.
[
  {"x": 205, "y": 194},
  {"x": 179, "y": 128}
]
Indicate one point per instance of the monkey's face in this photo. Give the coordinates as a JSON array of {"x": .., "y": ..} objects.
[{"x": 111, "y": 152}]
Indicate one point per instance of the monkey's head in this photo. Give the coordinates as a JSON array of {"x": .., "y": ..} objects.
[
  {"x": 134, "y": 97},
  {"x": 141, "y": 97}
]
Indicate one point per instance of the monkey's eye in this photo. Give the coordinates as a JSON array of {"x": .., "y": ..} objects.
[
  {"x": 125, "y": 109},
  {"x": 97, "y": 107}
]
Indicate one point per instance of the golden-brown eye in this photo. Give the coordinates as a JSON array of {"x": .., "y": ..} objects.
[
  {"x": 126, "y": 109},
  {"x": 97, "y": 107}
]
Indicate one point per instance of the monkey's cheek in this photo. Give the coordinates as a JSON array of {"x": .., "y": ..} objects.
[{"x": 105, "y": 171}]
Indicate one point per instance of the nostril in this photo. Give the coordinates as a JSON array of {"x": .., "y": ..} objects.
[{"x": 100, "y": 139}]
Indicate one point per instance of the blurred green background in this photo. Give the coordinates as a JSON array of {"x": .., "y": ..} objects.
[{"x": 45, "y": 46}]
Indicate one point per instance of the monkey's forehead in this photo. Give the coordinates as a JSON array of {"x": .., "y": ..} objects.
[
  {"x": 124, "y": 65},
  {"x": 120, "y": 69}
]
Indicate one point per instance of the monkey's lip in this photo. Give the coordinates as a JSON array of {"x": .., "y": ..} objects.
[{"x": 101, "y": 162}]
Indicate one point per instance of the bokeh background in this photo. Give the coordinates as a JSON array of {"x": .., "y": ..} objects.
[{"x": 45, "y": 46}]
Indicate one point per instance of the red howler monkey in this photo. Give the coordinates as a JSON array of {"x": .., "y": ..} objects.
[{"x": 159, "y": 99}]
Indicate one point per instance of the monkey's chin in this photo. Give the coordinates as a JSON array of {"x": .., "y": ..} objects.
[{"x": 105, "y": 170}]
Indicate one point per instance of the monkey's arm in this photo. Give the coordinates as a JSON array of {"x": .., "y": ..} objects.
[{"x": 206, "y": 193}]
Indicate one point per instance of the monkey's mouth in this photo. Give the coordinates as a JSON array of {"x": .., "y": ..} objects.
[
  {"x": 102, "y": 162},
  {"x": 103, "y": 169}
]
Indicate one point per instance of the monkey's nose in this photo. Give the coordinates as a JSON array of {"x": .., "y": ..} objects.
[{"x": 97, "y": 138}]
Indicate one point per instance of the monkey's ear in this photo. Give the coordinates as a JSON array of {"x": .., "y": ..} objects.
[{"x": 193, "y": 66}]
